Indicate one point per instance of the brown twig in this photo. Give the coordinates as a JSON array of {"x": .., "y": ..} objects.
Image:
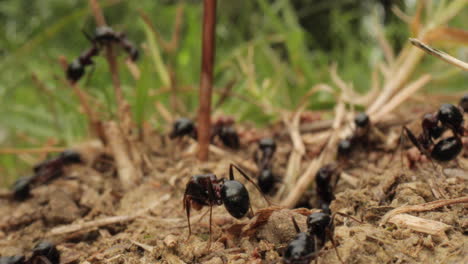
[
  {"x": 206, "y": 80},
  {"x": 439, "y": 54},
  {"x": 422, "y": 207}
]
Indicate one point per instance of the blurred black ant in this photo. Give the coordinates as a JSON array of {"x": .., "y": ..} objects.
[
  {"x": 183, "y": 127},
  {"x": 433, "y": 126},
  {"x": 76, "y": 69},
  {"x": 44, "y": 172},
  {"x": 325, "y": 185},
  {"x": 359, "y": 137},
  {"x": 222, "y": 128},
  {"x": 103, "y": 36},
  {"x": 307, "y": 245},
  {"x": 264, "y": 157},
  {"x": 207, "y": 190},
  {"x": 302, "y": 249},
  {"x": 43, "y": 253}
]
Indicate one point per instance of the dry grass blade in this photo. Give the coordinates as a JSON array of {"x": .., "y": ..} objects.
[
  {"x": 439, "y": 54},
  {"x": 422, "y": 207},
  {"x": 421, "y": 225}
]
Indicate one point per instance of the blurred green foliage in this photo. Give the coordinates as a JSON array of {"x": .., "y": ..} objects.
[{"x": 274, "y": 50}]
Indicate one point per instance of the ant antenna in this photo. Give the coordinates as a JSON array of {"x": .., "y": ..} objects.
[
  {"x": 296, "y": 226},
  {"x": 231, "y": 177}
]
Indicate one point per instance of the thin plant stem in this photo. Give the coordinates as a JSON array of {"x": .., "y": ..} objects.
[{"x": 206, "y": 80}]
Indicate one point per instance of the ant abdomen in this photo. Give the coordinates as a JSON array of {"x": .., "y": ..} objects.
[
  {"x": 266, "y": 180},
  {"x": 235, "y": 198},
  {"x": 447, "y": 149}
]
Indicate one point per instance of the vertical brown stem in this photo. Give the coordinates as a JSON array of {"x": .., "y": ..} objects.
[
  {"x": 206, "y": 80},
  {"x": 111, "y": 60}
]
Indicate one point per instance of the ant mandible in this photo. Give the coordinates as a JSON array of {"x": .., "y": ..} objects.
[
  {"x": 449, "y": 117},
  {"x": 264, "y": 157},
  {"x": 207, "y": 190}
]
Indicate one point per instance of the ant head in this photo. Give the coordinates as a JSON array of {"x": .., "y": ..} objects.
[
  {"x": 362, "y": 120},
  {"x": 224, "y": 121},
  {"x": 75, "y": 71},
  {"x": 235, "y": 198},
  {"x": 70, "y": 156},
  {"x": 104, "y": 32},
  {"x": 267, "y": 143},
  {"x": 317, "y": 222},
  {"x": 450, "y": 116},
  {"x": 181, "y": 127},
  {"x": 21, "y": 188},
  {"x": 13, "y": 260},
  {"x": 229, "y": 137},
  {"x": 447, "y": 149},
  {"x": 464, "y": 103},
  {"x": 344, "y": 147},
  {"x": 48, "y": 250}
]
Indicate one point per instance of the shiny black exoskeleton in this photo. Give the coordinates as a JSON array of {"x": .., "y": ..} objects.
[
  {"x": 362, "y": 120},
  {"x": 433, "y": 126},
  {"x": 53, "y": 168},
  {"x": 318, "y": 225},
  {"x": 264, "y": 159},
  {"x": 77, "y": 68},
  {"x": 208, "y": 190},
  {"x": 301, "y": 250},
  {"x": 223, "y": 128},
  {"x": 13, "y": 260},
  {"x": 183, "y": 127},
  {"x": 464, "y": 103},
  {"x": 47, "y": 250},
  {"x": 21, "y": 188},
  {"x": 325, "y": 183}
]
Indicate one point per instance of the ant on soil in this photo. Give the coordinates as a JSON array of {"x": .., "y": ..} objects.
[
  {"x": 44, "y": 252},
  {"x": 307, "y": 245},
  {"x": 264, "y": 157},
  {"x": 207, "y": 190},
  {"x": 44, "y": 172},
  {"x": 103, "y": 36},
  {"x": 222, "y": 128},
  {"x": 359, "y": 136},
  {"x": 433, "y": 126}
]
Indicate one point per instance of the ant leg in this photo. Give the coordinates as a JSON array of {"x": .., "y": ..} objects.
[
  {"x": 231, "y": 177},
  {"x": 187, "y": 206},
  {"x": 296, "y": 226},
  {"x": 345, "y": 215},
  {"x": 211, "y": 216},
  {"x": 330, "y": 236},
  {"x": 316, "y": 249},
  {"x": 415, "y": 142},
  {"x": 90, "y": 74}
]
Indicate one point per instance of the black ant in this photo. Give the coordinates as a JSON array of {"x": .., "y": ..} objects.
[
  {"x": 222, "y": 128},
  {"x": 433, "y": 126},
  {"x": 324, "y": 186},
  {"x": 183, "y": 127},
  {"x": 44, "y": 252},
  {"x": 76, "y": 69},
  {"x": 44, "y": 172},
  {"x": 103, "y": 36},
  {"x": 207, "y": 190},
  {"x": 264, "y": 157},
  {"x": 359, "y": 136},
  {"x": 306, "y": 245},
  {"x": 302, "y": 249}
]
